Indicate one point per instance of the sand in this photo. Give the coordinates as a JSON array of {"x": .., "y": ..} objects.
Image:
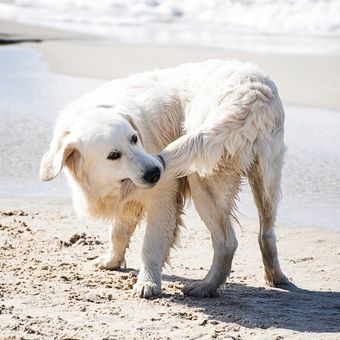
[
  {"x": 49, "y": 287},
  {"x": 291, "y": 73},
  {"x": 312, "y": 80}
]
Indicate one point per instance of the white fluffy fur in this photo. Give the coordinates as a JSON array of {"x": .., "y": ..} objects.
[{"x": 212, "y": 123}]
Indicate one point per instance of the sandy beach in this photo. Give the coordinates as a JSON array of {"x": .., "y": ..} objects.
[{"x": 49, "y": 287}]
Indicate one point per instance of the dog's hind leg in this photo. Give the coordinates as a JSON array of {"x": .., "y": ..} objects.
[
  {"x": 264, "y": 178},
  {"x": 214, "y": 200}
]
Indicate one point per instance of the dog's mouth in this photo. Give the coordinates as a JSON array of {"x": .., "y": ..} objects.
[
  {"x": 150, "y": 177},
  {"x": 127, "y": 182},
  {"x": 128, "y": 188}
]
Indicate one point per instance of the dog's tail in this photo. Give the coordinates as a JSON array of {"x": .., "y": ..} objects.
[{"x": 247, "y": 126}]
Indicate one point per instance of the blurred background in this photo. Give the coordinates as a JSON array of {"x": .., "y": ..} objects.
[{"x": 303, "y": 26}]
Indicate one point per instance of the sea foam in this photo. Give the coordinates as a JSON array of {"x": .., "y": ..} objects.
[{"x": 287, "y": 26}]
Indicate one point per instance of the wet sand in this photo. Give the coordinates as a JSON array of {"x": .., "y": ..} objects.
[
  {"x": 48, "y": 285},
  {"x": 312, "y": 80}
]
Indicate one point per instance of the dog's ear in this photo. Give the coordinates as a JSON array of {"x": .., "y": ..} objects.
[
  {"x": 54, "y": 160},
  {"x": 135, "y": 126},
  {"x": 62, "y": 151}
]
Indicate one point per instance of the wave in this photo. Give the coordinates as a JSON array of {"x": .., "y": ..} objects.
[{"x": 285, "y": 26}]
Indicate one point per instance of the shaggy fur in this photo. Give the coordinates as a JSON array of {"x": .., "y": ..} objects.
[{"x": 211, "y": 123}]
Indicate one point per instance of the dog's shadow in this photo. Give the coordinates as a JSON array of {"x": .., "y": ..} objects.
[{"x": 290, "y": 308}]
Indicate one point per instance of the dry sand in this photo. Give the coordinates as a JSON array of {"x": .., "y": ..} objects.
[{"x": 49, "y": 287}]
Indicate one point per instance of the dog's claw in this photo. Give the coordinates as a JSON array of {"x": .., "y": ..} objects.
[
  {"x": 108, "y": 262},
  {"x": 146, "y": 290},
  {"x": 278, "y": 281},
  {"x": 199, "y": 289}
]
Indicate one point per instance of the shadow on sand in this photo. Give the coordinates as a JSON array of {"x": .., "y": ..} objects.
[{"x": 290, "y": 308}]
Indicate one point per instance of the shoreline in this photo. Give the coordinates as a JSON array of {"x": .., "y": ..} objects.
[
  {"x": 307, "y": 80},
  {"x": 290, "y": 79}
]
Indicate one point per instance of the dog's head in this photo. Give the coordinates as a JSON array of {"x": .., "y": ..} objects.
[{"x": 102, "y": 149}]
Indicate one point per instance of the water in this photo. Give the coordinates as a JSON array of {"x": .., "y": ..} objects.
[
  {"x": 311, "y": 176},
  {"x": 304, "y": 26},
  {"x": 32, "y": 95},
  {"x": 30, "y": 99}
]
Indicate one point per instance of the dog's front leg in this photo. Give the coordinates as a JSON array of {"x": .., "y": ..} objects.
[
  {"x": 120, "y": 234},
  {"x": 160, "y": 234}
]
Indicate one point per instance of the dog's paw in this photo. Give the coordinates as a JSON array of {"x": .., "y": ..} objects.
[
  {"x": 109, "y": 262},
  {"x": 277, "y": 280},
  {"x": 200, "y": 289},
  {"x": 146, "y": 289}
]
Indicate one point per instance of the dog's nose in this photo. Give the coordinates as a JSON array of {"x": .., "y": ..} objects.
[{"x": 152, "y": 175}]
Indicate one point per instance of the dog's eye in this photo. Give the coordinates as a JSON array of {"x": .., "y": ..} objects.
[
  {"x": 114, "y": 155},
  {"x": 134, "y": 139}
]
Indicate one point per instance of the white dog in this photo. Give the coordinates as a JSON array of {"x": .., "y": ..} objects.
[{"x": 208, "y": 124}]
